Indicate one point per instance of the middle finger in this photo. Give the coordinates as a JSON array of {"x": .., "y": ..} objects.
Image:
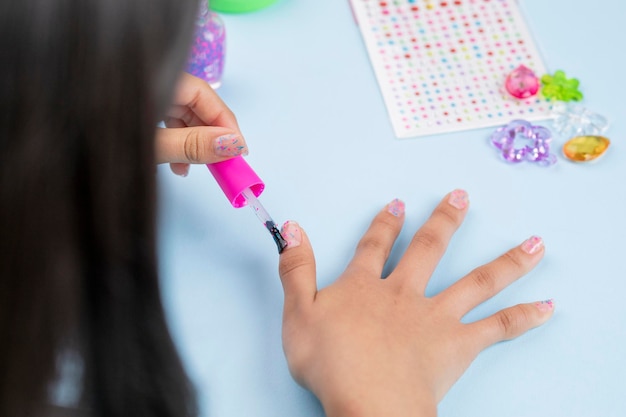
[{"x": 430, "y": 242}]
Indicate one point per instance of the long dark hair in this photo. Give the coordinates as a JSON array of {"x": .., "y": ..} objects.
[{"x": 82, "y": 85}]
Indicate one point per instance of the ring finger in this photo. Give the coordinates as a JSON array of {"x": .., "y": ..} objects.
[{"x": 488, "y": 280}]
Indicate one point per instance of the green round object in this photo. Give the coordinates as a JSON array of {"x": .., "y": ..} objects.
[{"x": 238, "y": 6}]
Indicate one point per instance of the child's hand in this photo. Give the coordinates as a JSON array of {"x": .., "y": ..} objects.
[
  {"x": 201, "y": 129},
  {"x": 368, "y": 346}
]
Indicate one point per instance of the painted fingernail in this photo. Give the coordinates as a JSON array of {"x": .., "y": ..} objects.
[
  {"x": 230, "y": 145},
  {"x": 396, "y": 207},
  {"x": 545, "y": 306},
  {"x": 291, "y": 233},
  {"x": 532, "y": 245},
  {"x": 458, "y": 199}
]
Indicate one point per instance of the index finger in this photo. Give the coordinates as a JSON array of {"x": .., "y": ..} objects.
[
  {"x": 196, "y": 95},
  {"x": 374, "y": 247}
]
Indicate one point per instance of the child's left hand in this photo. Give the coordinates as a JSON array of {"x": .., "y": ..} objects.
[{"x": 368, "y": 346}]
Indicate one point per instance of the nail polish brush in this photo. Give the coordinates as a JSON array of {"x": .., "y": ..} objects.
[{"x": 241, "y": 186}]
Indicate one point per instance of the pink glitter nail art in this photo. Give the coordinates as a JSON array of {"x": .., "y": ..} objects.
[
  {"x": 545, "y": 306},
  {"x": 532, "y": 245},
  {"x": 458, "y": 199},
  {"x": 396, "y": 207},
  {"x": 292, "y": 234},
  {"x": 230, "y": 145}
]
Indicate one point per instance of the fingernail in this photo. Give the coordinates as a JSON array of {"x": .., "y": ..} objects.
[
  {"x": 230, "y": 145},
  {"x": 532, "y": 245},
  {"x": 291, "y": 233},
  {"x": 184, "y": 172},
  {"x": 396, "y": 207},
  {"x": 458, "y": 199},
  {"x": 545, "y": 306}
]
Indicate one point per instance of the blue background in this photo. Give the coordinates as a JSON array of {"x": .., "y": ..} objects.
[{"x": 298, "y": 77}]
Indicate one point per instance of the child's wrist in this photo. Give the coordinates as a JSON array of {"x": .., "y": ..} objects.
[{"x": 381, "y": 405}]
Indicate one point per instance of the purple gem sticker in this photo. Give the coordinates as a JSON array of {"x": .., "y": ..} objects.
[{"x": 521, "y": 141}]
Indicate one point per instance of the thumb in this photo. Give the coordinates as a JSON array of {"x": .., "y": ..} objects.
[
  {"x": 297, "y": 268},
  {"x": 198, "y": 144}
]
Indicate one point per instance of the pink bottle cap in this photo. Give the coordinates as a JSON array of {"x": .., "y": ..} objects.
[{"x": 234, "y": 176}]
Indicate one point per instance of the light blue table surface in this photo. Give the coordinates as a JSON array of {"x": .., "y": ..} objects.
[{"x": 298, "y": 77}]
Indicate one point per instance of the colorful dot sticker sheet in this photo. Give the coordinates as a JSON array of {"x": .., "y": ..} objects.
[{"x": 441, "y": 65}]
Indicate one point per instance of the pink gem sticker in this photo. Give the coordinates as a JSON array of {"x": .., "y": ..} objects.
[{"x": 522, "y": 82}]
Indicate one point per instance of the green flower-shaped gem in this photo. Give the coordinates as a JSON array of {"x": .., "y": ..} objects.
[{"x": 559, "y": 87}]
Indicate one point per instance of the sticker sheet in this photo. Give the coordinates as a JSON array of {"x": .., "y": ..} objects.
[{"x": 441, "y": 65}]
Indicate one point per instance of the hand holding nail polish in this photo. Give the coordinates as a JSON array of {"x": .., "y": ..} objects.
[
  {"x": 200, "y": 128},
  {"x": 189, "y": 140},
  {"x": 369, "y": 345}
]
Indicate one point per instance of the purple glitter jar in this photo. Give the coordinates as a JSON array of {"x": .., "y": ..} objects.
[{"x": 207, "y": 51}]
